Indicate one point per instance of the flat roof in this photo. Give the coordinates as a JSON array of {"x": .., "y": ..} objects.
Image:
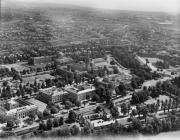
[
  {"x": 53, "y": 91},
  {"x": 28, "y": 107},
  {"x": 64, "y": 59},
  {"x": 12, "y": 101},
  {"x": 86, "y": 90},
  {"x": 79, "y": 91},
  {"x": 100, "y": 122},
  {"x": 41, "y": 106},
  {"x": 122, "y": 98},
  {"x": 98, "y": 60}
]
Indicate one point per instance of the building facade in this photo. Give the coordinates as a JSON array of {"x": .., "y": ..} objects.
[
  {"x": 52, "y": 94},
  {"x": 16, "y": 109},
  {"x": 41, "y": 60},
  {"x": 82, "y": 92},
  {"x": 118, "y": 101}
]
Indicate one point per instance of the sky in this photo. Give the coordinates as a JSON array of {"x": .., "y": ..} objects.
[{"x": 172, "y": 6}]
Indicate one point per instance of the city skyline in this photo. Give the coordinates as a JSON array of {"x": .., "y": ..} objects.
[{"x": 170, "y": 6}]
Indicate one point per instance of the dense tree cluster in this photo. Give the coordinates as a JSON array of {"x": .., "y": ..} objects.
[
  {"x": 153, "y": 126},
  {"x": 114, "y": 111},
  {"x": 128, "y": 60},
  {"x": 170, "y": 59},
  {"x": 139, "y": 97},
  {"x": 162, "y": 65},
  {"x": 176, "y": 81},
  {"x": 64, "y": 130},
  {"x": 103, "y": 94},
  {"x": 50, "y": 123},
  {"x": 169, "y": 88}
]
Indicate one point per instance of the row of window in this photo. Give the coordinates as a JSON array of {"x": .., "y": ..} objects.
[{"x": 57, "y": 98}]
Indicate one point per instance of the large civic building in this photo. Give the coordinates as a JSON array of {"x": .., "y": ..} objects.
[
  {"x": 82, "y": 92},
  {"x": 52, "y": 94},
  {"x": 16, "y": 109},
  {"x": 41, "y": 60},
  {"x": 114, "y": 79},
  {"x": 82, "y": 68}
]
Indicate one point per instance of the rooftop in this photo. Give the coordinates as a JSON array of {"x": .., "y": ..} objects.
[
  {"x": 116, "y": 79},
  {"x": 100, "y": 122},
  {"x": 98, "y": 60},
  {"x": 41, "y": 105},
  {"x": 64, "y": 60},
  {"x": 16, "y": 110},
  {"x": 53, "y": 91},
  {"x": 12, "y": 102},
  {"x": 119, "y": 99},
  {"x": 80, "y": 89}
]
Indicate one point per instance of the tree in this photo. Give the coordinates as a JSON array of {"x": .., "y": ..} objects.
[
  {"x": 61, "y": 121},
  {"x": 32, "y": 115},
  {"x": 22, "y": 92},
  {"x": 54, "y": 110},
  {"x": 169, "y": 105},
  {"x": 78, "y": 103},
  {"x": 40, "y": 115},
  {"x": 95, "y": 98},
  {"x": 64, "y": 132},
  {"x": 108, "y": 96},
  {"x": 112, "y": 62},
  {"x": 18, "y": 92},
  {"x": 116, "y": 71},
  {"x": 145, "y": 112},
  {"x": 136, "y": 124},
  {"x": 55, "y": 122},
  {"x": 115, "y": 127},
  {"x": 17, "y": 77},
  {"x": 42, "y": 125},
  {"x": 87, "y": 129},
  {"x": 101, "y": 92},
  {"x": 46, "y": 113},
  {"x": 49, "y": 124},
  {"x": 68, "y": 104},
  {"x": 138, "y": 110},
  {"x": 134, "y": 112},
  {"x": 98, "y": 109},
  {"x": 43, "y": 85},
  {"x": 149, "y": 129},
  {"x": 115, "y": 112},
  {"x": 72, "y": 116},
  {"x": 50, "y": 104},
  {"x": 158, "y": 103},
  {"x": 134, "y": 83},
  {"x": 177, "y": 103},
  {"x": 124, "y": 109},
  {"x": 75, "y": 130},
  {"x": 5, "y": 83},
  {"x": 10, "y": 124},
  {"x": 121, "y": 87},
  {"x": 165, "y": 105},
  {"x": 7, "y": 134}
]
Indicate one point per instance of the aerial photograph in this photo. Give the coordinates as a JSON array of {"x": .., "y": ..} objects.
[{"x": 89, "y": 69}]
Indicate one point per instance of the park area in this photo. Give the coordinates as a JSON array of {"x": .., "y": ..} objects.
[
  {"x": 39, "y": 78},
  {"x": 153, "y": 100}
]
